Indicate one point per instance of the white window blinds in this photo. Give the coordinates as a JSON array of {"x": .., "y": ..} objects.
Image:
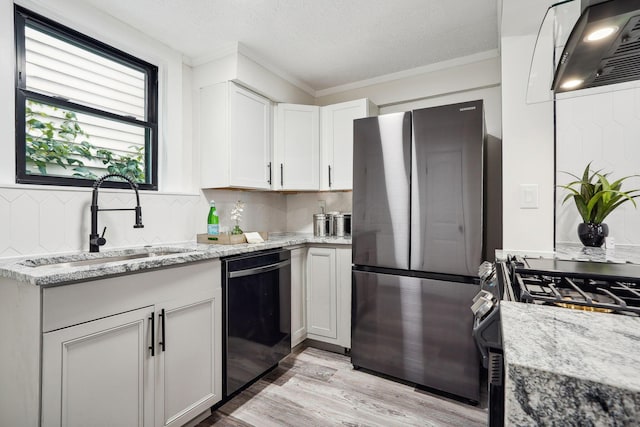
[{"x": 58, "y": 68}]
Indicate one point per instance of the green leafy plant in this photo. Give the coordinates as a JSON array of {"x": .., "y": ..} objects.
[
  {"x": 67, "y": 145},
  {"x": 48, "y": 144},
  {"x": 595, "y": 196}
]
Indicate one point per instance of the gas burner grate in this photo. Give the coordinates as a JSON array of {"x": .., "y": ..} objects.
[{"x": 580, "y": 293}]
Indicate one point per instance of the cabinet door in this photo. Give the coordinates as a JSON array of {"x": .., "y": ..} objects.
[
  {"x": 343, "y": 274},
  {"x": 189, "y": 367},
  {"x": 249, "y": 139},
  {"x": 297, "y": 147},
  {"x": 298, "y": 296},
  {"x": 321, "y": 292},
  {"x": 337, "y": 143},
  {"x": 99, "y": 373}
]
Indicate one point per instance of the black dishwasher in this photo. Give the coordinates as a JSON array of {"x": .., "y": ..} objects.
[{"x": 256, "y": 316}]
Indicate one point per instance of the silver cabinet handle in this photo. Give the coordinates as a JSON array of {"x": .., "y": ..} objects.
[{"x": 258, "y": 270}]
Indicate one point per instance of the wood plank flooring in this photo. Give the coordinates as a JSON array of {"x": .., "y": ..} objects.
[{"x": 313, "y": 387}]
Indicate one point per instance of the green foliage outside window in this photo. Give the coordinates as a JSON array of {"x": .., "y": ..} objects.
[{"x": 67, "y": 146}]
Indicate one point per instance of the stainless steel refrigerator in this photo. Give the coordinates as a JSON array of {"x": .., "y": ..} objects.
[{"x": 417, "y": 230}]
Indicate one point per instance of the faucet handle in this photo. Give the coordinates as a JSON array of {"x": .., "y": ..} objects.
[
  {"x": 96, "y": 240},
  {"x": 101, "y": 240}
]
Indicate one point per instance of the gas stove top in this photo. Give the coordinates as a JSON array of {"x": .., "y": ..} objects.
[{"x": 591, "y": 286}]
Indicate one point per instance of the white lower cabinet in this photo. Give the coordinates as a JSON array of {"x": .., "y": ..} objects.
[
  {"x": 187, "y": 358},
  {"x": 99, "y": 373},
  {"x": 329, "y": 295},
  {"x": 298, "y": 296},
  {"x": 158, "y": 365}
]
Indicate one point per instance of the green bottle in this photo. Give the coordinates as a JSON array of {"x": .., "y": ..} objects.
[{"x": 213, "y": 221}]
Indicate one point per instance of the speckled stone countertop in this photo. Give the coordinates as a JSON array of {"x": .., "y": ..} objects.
[
  {"x": 577, "y": 252},
  {"x": 570, "y": 367},
  {"x": 618, "y": 254},
  {"x": 52, "y": 270}
]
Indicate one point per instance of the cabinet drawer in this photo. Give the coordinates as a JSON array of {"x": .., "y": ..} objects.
[{"x": 75, "y": 303}]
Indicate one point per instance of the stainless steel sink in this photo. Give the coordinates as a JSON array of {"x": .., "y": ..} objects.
[{"x": 65, "y": 262}]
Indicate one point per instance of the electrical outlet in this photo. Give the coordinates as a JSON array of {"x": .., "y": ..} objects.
[{"x": 322, "y": 204}]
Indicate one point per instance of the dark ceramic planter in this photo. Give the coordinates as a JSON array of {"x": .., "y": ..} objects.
[{"x": 592, "y": 234}]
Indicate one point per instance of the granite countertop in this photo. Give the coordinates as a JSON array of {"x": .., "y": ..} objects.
[
  {"x": 617, "y": 254},
  {"x": 570, "y": 367},
  {"x": 39, "y": 269},
  {"x": 577, "y": 252}
]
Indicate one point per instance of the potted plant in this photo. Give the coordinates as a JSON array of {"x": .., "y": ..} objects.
[{"x": 596, "y": 197}]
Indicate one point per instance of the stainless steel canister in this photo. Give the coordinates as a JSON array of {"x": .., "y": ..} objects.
[
  {"x": 331, "y": 223},
  {"x": 338, "y": 225},
  {"x": 320, "y": 228},
  {"x": 347, "y": 224}
]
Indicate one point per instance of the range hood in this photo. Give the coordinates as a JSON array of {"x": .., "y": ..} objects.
[
  {"x": 603, "y": 47},
  {"x": 584, "y": 45}
]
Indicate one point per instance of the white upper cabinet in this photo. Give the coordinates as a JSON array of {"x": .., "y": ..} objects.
[
  {"x": 235, "y": 136},
  {"x": 297, "y": 147},
  {"x": 336, "y": 168}
]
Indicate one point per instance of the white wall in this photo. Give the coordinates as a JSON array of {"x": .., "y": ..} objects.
[
  {"x": 45, "y": 219},
  {"x": 448, "y": 79},
  {"x": 491, "y": 96},
  {"x": 601, "y": 126},
  {"x": 527, "y": 134}
]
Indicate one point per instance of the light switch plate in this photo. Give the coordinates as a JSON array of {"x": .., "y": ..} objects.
[{"x": 528, "y": 196}]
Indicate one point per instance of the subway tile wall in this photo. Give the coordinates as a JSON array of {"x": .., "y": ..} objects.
[{"x": 603, "y": 128}]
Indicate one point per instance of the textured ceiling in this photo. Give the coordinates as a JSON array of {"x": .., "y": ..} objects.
[{"x": 322, "y": 43}]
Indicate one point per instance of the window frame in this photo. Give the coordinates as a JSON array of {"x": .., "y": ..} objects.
[{"x": 23, "y": 16}]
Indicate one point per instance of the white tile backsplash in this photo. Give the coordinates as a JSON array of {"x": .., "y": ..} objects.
[
  {"x": 302, "y": 206},
  {"x": 263, "y": 211},
  {"x": 603, "y": 128},
  {"x": 53, "y": 219},
  {"x": 35, "y": 220}
]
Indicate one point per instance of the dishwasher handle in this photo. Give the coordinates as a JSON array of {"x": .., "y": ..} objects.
[{"x": 259, "y": 270}]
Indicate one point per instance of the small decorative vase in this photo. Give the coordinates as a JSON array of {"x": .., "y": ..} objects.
[
  {"x": 236, "y": 230},
  {"x": 592, "y": 234}
]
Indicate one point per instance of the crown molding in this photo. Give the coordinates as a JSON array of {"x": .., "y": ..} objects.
[{"x": 464, "y": 60}]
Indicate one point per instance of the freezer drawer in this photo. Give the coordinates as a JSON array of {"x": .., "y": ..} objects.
[{"x": 415, "y": 329}]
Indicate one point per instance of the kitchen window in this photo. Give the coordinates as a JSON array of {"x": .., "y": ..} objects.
[{"x": 83, "y": 108}]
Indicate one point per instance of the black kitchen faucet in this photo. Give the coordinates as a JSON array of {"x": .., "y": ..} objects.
[{"x": 96, "y": 240}]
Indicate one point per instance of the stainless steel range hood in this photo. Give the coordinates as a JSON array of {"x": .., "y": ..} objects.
[{"x": 584, "y": 45}]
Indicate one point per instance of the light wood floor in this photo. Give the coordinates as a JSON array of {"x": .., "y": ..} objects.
[{"x": 313, "y": 387}]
